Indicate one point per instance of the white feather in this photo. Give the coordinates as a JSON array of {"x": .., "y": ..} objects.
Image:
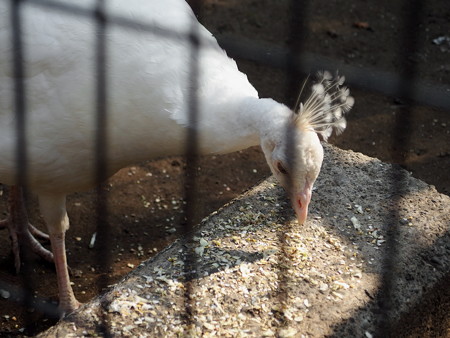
[{"x": 324, "y": 108}]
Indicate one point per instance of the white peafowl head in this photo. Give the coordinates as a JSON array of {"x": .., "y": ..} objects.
[{"x": 296, "y": 157}]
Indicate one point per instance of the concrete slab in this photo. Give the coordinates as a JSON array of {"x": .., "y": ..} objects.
[{"x": 376, "y": 244}]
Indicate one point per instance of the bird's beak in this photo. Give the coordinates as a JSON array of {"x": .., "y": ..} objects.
[{"x": 300, "y": 200}]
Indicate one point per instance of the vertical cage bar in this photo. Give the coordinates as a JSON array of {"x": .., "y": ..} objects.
[
  {"x": 103, "y": 233},
  {"x": 21, "y": 139},
  {"x": 296, "y": 31},
  {"x": 19, "y": 92},
  {"x": 401, "y": 140},
  {"x": 191, "y": 151}
]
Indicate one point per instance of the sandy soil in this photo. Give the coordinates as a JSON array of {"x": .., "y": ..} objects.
[{"x": 145, "y": 202}]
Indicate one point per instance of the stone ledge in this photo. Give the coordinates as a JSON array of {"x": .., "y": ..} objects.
[{"x": 251, "y": 270}]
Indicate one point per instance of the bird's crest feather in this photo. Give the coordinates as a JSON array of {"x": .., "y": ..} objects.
[{"x": 324, "y": 109}]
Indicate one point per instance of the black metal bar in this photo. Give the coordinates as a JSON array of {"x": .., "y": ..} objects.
[
  {"x": 21, "y": 139},
  {"x": 111, "y": 20},
  {"x": 101, "y": 152},
  {"x": 401, "y": 140},
  {"x": 275, "y": 56},
  {"x": 19, "y": 92},
  {"x": 296, "y": 30},
  {"x": 384, "y": 82},
  {"x": 294, "y": 65},
  {"x": 191, "y": 151}
]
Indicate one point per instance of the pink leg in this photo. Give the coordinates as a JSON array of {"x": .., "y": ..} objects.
[
  {"x": 21, "y": 231},
  {"x": 53, "y": 209},
  {"x": 67, "y": 300}
]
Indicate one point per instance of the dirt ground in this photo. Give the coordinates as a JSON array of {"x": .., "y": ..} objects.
[{"x": 145, "y": 202}]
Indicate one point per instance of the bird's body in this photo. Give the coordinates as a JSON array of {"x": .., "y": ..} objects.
[
  {"x": 151, "y": 78},
  {"x": 148, "y": 93}
]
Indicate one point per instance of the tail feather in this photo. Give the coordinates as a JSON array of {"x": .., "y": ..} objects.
[{"x": 325, "y": 108}]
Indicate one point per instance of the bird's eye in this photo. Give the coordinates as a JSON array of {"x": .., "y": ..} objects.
[{"x": 281, "y": 169}]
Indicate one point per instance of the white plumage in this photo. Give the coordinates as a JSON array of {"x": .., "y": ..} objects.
[{"x": 148, "y": 85}]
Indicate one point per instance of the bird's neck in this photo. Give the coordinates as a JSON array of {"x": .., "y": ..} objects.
[
  {"x": 264, "y": 116},
  {"x": 253, "y": 119}
]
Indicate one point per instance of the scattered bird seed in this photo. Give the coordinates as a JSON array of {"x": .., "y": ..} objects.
[{"x": 355, "y": 223}]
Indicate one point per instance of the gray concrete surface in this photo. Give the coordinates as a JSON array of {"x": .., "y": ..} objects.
[{"x": 375, "y": 248}]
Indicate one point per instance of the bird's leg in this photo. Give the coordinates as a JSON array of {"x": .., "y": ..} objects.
[
  {"x": 53, "y": 209},
  {"x": 67, "y": 301},
  {"x": 21, "y": 231}
]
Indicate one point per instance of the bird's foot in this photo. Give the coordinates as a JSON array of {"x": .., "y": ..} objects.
[
  {"x": 25, "y": 236},
  {"x": 38, "y": 233},
  {"x": 66, "y": 308}
]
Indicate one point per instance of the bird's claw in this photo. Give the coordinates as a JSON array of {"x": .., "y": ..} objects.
[{"x": 26, "y": 238}]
